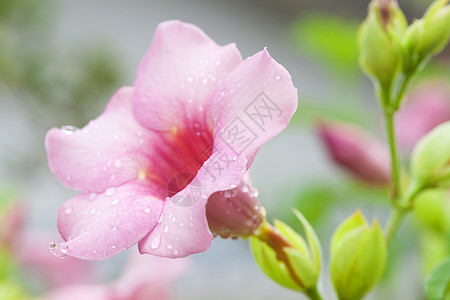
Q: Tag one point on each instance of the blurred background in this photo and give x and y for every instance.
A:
(60, 61)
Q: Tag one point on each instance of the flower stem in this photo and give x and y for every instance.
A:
(313, 294)
(395, 162)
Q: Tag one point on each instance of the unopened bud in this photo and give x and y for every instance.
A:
(358, 257)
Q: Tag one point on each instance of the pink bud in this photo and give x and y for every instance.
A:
(11, 221)
(235, 213)
(427, 107)
(364, 156)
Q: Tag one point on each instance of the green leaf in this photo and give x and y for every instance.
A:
(438, 282)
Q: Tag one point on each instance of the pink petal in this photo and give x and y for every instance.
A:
(148, 277)
(179, 74)
(40, 261)
(97, 227)
(77, 292)
(253, 104)
(184, 228)
(107, 152)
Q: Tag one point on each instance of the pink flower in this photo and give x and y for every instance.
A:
(363, 155)
(189, 128)
(427, 107)
(144, 278)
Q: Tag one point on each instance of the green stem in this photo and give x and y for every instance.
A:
(395, 162)
(313, 294)
(400, 209)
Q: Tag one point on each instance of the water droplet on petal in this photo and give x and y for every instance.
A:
(227, 194)
(161, 217)
(110, 191)
(166, 228)
(189, 79)
(155, 242)
(115, 201)
(277, 77)
(113, 246)
(92, 196)
(68, 130)
(117, 163)
(175, 252)
(68, 210)
(245, 189)
(169, 246)
(147, 211)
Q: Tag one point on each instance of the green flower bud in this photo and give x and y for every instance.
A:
(432, 210)
(286, 257)
(358, 257)
(431, 158)
(428, 36)
(379, 42)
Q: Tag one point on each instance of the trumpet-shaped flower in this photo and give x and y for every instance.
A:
(190, 127)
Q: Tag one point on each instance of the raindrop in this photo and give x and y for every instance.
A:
(166, 228)
(117, 163)
(189, 79)
(114, 229)
(245, 189)
(110, 191)
(68, 210)
(181, 224)
(277, 77)
(147, 210)
(161, 218)
(115, 201)
(227, 194)
(217, 62)
(169, 246)
(93, 211)
(221, 91)
(92, 196)
(94, 251)
(155, 242)
(113, 246)
(69, 130)
(175, 252)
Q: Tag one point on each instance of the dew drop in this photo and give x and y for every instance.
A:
(169, 246)
(113, 246)
(277, 77)
(117, 163)
(147, 211)
(92, 196)
(68, 210)
(175, 252)
(115, 201)
(166, 228)
(161, 217)
(110, 191)
(227, 194)
(245, 189)
(189, 79)
(155, 242)
(68, 130)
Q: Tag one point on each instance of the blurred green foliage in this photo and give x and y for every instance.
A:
(330, 40)
(438, 283)
(67, 82)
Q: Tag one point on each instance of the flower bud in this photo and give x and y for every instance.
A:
(428, 36)
(11, 218)
(432, 209)
(366, 158)
(286, 257)
(380, 49)
(358, 257)
(235, 213)
(431, 158)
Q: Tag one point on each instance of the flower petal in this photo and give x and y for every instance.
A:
(179, 74)
(96, 227)
(80, 291)
(107, 152)
(253, 104)
(184, 228)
